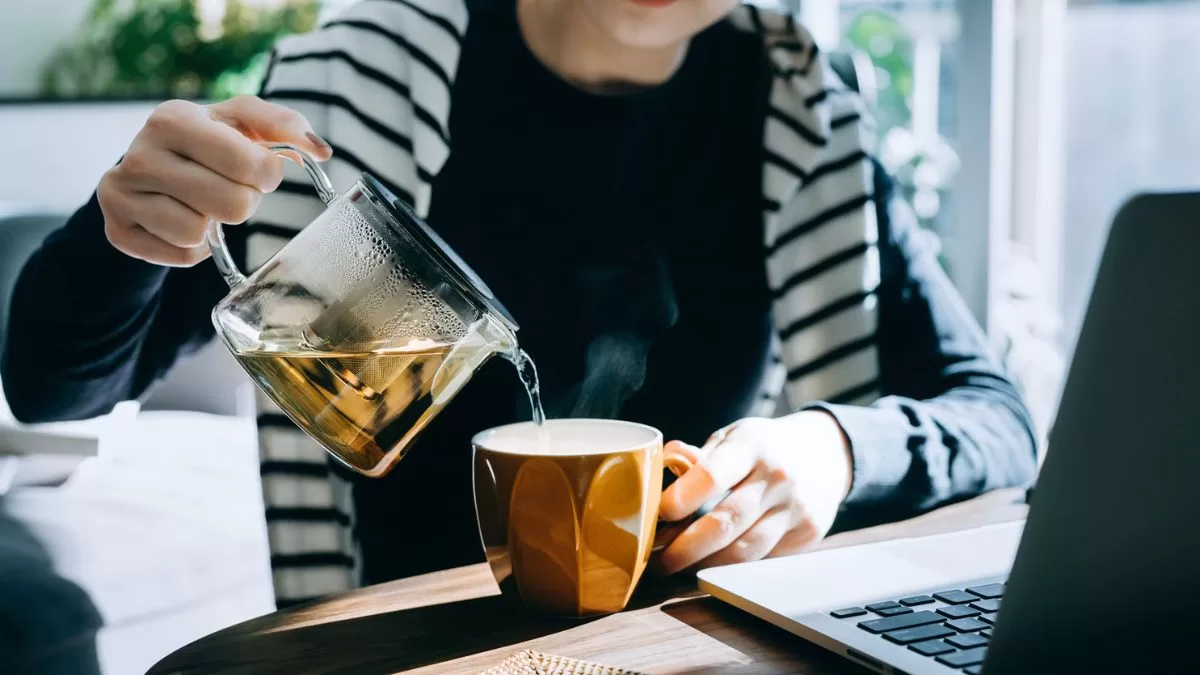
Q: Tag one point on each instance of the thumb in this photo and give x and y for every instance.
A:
(265, 122)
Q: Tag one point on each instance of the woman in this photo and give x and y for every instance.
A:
(674, 198)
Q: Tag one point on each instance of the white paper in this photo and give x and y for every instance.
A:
(79, 439)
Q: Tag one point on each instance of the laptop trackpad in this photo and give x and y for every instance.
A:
(970, 554)
(821, 580)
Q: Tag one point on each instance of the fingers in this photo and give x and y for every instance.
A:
(190, 164)
(169, 220)
(722, 526)
(756, 543)
(805, 534)
(726, 465)
(187, 130)
(782, 502)
(679, 457)
(263, 121)
(203, 190)
(131, 219)
(135, 241)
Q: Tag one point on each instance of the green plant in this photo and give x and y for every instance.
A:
(890, 46)
(165, 48)
(924, 166)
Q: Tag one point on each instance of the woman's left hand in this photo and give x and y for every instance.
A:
(786, 479)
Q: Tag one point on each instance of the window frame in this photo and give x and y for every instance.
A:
(1037, 230)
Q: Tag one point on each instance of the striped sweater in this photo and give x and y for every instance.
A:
(376, 81)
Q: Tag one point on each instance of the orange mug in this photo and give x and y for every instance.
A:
(567, 512)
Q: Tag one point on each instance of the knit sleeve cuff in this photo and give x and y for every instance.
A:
(879, 447)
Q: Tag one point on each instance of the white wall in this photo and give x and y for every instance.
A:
(29, 34)
(54, 153)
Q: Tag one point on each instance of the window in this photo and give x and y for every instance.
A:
(969, 130)
(1103, 99)
(1131, 93)
(908, 48)
(910, 57)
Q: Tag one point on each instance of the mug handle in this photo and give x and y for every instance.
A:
(676, 464)
(215, 236)
(667, 531)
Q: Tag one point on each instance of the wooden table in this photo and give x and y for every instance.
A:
(455, 622)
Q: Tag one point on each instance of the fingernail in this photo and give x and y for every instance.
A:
(318, 141)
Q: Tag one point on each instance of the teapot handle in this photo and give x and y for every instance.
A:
(216, 235)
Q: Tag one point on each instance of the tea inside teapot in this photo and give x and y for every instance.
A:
(366, 403)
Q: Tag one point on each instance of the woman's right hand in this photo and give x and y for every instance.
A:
(192, 163)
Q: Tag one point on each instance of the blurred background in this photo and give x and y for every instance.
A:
(1017, 128)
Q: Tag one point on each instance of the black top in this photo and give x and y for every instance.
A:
(602, 224)
(630, 254)
(623, 233)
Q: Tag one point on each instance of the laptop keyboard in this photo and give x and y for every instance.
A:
(952, 626)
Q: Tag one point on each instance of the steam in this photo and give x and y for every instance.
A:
(616, 369)
(631, 307)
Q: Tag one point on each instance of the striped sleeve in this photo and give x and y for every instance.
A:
(950, 424)
(375, 83)
(308, 511)
(820, 228)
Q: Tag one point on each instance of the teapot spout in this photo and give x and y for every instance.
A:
(485, 338)
(497, 335)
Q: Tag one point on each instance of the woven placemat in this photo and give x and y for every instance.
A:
(530, 662)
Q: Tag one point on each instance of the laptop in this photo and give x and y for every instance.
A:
(1104, 574)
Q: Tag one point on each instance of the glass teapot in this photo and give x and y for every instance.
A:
(363, 326)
